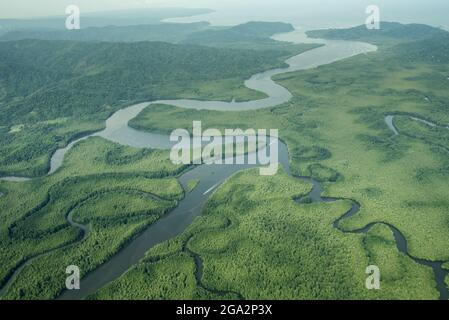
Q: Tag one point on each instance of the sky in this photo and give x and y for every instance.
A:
(328, 12)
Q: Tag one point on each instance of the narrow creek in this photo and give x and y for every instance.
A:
(401, 242)
(389, 120)
(212, 176)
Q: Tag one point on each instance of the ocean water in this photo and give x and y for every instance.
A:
(321, 14)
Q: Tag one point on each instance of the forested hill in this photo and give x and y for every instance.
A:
(167, 32)
(433, 50)
(100, 19)
(53, 91)
(390, 33)
(406, 42)
(252, 34)
(58, 78)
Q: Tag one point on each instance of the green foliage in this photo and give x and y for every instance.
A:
(174, 279)
(396, 268)
(271, 249)
(408, 42)
(166, 32)
(117, 201)
(51, 90)
(97, 156)
(253, 240)
(313, 153)
(391, 149)
(141, 16)
(322, 173)
(192, 184)
(84, 72)
(395, 178)
(389, 33)
(434, 50)
(337, 119)
(251, 35)
(26, 151)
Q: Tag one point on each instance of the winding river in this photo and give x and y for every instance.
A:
(389, 120)
(212, 176)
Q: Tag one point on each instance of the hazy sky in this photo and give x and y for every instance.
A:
(434, 12)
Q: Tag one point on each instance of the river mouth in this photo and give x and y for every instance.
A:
(210, 176)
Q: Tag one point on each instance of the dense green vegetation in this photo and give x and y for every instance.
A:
(99, 19)
(166, 32)
(411, 176)
(438, 136)
(103, 189)
(54, 91)
(446, 266)
(335, 130)
(192, 184)
(390, 33)
(47, 67)
(251, 35)
(256, 242)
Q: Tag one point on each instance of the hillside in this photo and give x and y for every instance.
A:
(53, 91)
(390, 33)
(100, 19)
(252, 34)
(407, 43)
(167, 32)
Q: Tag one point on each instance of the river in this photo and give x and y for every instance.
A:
(210, 176)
